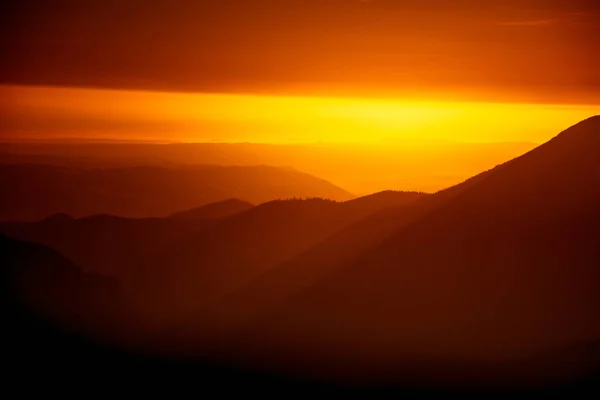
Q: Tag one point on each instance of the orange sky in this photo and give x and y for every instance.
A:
(387, 77)
(524, 51)
(68, 113)
(364, 145)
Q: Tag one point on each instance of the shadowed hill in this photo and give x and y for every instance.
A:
(110, 245)
(503, 268)
(50, 309)
(308, 267)
(360, 169)
(42, 289)
(381, 200)
(218, 260)
(103, 243)
(221, 209)
(58, 321)
(342, 247)
(33, 192)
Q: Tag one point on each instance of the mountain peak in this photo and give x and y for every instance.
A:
(595, 119)
(589, 126)
(575, 146)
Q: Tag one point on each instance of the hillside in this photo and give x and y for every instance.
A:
(214, 262)
(217, 210)
(44, 295)
(503, 270)
(103, 243)
(33, 192)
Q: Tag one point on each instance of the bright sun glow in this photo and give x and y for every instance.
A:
(177, 117)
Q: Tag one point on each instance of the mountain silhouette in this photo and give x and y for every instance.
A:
(103, 243)
(110, 245)
(345, 245)
(382, 200)
(496, 270)
(356, 168)
(45, 297)
(308, 267)
(494, 281)
(217, 210)
(216, 261)
(33, 192)
(58, 322)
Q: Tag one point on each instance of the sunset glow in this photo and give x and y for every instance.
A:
(91, 114)
(279, 195)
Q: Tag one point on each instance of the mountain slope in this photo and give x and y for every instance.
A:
(505, 269)
(219, 260)
(344, 246)
(33, 192)
(40, 288)
(391, 209)
(103, 243)
(225, 208)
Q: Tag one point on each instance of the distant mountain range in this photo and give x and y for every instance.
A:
(229, 254)
(46, 299)
(359, 168)
(494, 282)
(108, 244)
(33, 192)
(215, 235)
(103, 243)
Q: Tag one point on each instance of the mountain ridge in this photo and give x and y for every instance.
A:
(140, 192)
(531, 222)
(217, 210)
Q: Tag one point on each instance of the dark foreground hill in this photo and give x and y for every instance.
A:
(500, 270)
(63, 329)
(57, 329)
(46, 298)
(109, 244)
(33, 192)
(103, 243)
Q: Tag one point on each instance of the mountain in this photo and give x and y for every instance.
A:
(217, 210)
(382, 200)
(110, 245)
(359, 168)
(197, 270)
(33, 192)
(103, 243)
(315, 263)
(44, 295)
(58, 322)
(485, 275)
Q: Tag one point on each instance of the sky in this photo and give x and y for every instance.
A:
(52, 113)
(495, 50)
(289, 71)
